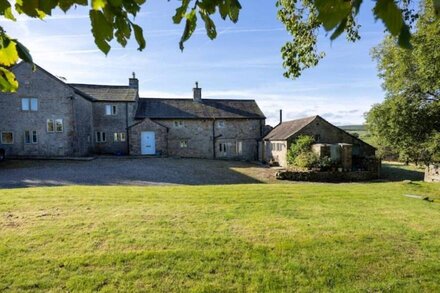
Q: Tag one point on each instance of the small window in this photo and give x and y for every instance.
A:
(100, 136)
(7, 137)
(317, 138)
(119, 136)
(50, 125)
(178, 123)
(110, 110)
(34, 104)
(183, 144)
(30, 137)
(59, 127)
(29, 104)
(221, 124)
(25, 104)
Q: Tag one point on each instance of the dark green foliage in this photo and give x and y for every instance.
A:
(409, 118)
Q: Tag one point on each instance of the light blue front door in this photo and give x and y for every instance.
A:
(148, 143)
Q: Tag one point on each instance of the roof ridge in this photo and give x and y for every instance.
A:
(100, 85)
(190, 99)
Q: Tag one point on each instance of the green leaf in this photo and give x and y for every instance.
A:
(234, 10)
(6, 10)
(23, 52)
(102, 30)
(209, 25)
(98, 4)
(8, 83)
(180, 12)
(224, 8)
(332, 12)
(339, 30)
(390, 14)
(139, 35)
(8, 51)
(190, 27)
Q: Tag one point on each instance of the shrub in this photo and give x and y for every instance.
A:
(300, 153)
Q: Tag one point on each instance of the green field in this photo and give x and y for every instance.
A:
(286, 237)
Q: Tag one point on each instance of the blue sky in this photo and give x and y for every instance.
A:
(243, 62)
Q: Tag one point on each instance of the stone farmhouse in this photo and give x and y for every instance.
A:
(48, 117)
(330, 140)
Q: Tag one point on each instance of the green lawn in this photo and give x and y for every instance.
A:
(296, 237)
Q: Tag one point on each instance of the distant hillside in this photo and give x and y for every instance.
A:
(354, 127)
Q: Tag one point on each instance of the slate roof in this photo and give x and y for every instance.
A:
(190, 109)
(286, 129)
(111, 93)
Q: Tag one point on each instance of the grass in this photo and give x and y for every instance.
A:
(299, 237)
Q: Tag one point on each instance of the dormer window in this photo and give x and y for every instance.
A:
(178, 123)
(110, 110)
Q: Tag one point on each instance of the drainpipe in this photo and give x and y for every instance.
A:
(127, 141)
(213, 139)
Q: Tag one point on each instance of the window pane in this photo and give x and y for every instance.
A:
(34, 136)
(59, 125)
(115, 136)
(108, 109)
(27, 136)
(122, 136)
(50, 125)
(114, 110)
(103, 136)
(7, 138)
(98, 136)
(25, 104)
(34, 104)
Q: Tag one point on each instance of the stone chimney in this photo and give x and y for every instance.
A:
(133, 82)
(197, 93)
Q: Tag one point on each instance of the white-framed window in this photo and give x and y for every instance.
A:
(29, 104)
(276, 146)
(119, 137)
(50, 125)
(239, 148)
(7, 137)
(100, 136)
(30, 137)
(110, 109)
(59, 126)
(221, 124)
(178, 123)
(183, 144)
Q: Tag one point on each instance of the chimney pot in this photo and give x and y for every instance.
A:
(133, 82)
(197, 93)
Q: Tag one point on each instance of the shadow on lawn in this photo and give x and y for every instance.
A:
(399, 172)
(126, 171)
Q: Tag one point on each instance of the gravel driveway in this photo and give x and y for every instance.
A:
(128, 171)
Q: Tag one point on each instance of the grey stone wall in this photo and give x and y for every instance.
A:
(199, 135)
(55, 101)
(111, 124)
(83, 115)
(147, 125)
(432, 173)
(273, 155)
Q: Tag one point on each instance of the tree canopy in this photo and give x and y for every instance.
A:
(408, 121)
(303, 19)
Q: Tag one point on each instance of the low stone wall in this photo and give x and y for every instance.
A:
(432, 173)
(314, 176)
